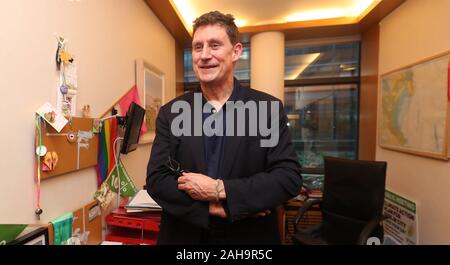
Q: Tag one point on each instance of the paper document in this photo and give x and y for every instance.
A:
(111, 243)
(142, 201)
(54, 118)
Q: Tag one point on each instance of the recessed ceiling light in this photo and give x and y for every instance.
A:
(185, 12)
(360, 8)
(315, 14)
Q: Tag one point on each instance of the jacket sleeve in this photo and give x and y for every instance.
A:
(162, 185)
(280, 181)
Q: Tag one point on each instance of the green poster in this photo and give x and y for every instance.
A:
(127, 187)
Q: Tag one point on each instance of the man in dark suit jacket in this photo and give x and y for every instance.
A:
(231, 182)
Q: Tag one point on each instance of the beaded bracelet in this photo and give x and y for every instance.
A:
(217, 189)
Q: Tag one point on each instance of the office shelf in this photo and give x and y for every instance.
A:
(131, 236)
(134, 228)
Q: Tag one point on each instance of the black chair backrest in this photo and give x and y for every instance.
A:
(353, 194)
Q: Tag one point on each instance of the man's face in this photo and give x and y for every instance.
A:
(213, 55)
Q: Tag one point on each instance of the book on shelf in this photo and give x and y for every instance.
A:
(149, 215)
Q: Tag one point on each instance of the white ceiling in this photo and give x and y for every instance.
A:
(264, 12)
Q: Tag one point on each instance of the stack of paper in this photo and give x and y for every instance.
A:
(142, 202)
(111, 243)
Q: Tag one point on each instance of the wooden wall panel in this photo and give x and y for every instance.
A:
(368, 93)
(170, 19)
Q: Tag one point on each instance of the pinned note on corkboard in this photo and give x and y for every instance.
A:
(73, 148)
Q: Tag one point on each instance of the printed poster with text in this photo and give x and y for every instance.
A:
(401, 226)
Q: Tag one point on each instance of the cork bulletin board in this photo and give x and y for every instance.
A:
(74, 148)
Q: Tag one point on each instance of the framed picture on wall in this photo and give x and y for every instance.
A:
(415, 113)
(150, 82)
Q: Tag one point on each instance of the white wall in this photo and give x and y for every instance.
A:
(416, 30)
(105, 36)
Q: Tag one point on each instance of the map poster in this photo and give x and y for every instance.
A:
(414, 108)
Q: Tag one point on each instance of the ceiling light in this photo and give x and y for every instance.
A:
(184, 9)
(316, 14)
(360, 6)
(347, 67)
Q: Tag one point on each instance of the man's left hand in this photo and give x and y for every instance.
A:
(200, 187)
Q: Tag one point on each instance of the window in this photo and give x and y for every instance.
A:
(321, 101)
(323, 122)
(322, 61)
(321, 97)
(189, 75)
(241, 70)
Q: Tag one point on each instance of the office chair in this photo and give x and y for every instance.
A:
(352, 204)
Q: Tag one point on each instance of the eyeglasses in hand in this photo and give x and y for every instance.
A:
(175, 167)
